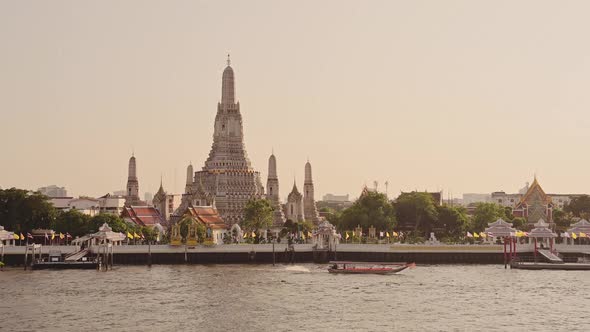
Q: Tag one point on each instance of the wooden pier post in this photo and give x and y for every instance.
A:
(504, 252)
(149, 253)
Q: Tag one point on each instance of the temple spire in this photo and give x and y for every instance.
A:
(228, 85)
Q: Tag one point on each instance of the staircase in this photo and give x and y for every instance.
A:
(76, 255)
(551, 257)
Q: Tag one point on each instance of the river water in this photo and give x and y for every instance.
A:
(294, 298)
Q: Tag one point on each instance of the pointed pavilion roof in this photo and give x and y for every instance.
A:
(541, 230)
(500, 228)
(581, 226)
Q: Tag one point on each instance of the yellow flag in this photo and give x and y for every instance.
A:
(245, 235)
(22, 237)
(135, 235)
(309, 234)
(253, 234)
(61, 236)
(52, 236)
(574, 236)
(395, 234)
(483, 235)
(387, 234)
(475, 234)
(347, 236)
(15, 236)
(303, 235)
(582, 234)
(129, 235)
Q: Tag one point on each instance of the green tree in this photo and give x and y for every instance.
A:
(486, 213)
(22, 210)
(73, 222)
(562, 219)
(371, 209)
(258, 215)
(417, 209)
(453, 219)
(579, 207)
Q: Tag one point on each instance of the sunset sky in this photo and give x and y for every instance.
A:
(460, 96)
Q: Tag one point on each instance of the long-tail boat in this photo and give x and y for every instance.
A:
(347, 267)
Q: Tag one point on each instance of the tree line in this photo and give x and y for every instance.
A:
(22, 211)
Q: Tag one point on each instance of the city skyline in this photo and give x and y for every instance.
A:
(421, 102)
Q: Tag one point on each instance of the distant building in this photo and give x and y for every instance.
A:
(132, 192)
(53, 191)
(335, 198)
(475, 198)
(148, 197)
(85, 205)
(534, 205)
(111, 204)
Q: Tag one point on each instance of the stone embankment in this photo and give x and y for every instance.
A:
(303, 253)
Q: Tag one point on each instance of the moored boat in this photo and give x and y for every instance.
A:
(347, 267)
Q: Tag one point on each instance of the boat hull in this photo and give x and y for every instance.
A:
(382, 271)
(64, 265)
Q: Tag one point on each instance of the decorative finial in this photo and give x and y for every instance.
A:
(228, 60)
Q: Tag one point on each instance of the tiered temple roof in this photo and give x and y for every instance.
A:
(541, 230)
(143, 216)
(581, 226)
(500, 228)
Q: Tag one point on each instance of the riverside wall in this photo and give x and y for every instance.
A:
(304, 253)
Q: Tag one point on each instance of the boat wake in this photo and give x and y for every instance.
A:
(298, 269)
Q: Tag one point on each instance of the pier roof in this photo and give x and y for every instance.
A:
(500, 228)
(541, 230)
(581, 226)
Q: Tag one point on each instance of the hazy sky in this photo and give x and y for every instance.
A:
(460, 96)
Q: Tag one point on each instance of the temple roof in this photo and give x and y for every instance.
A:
(534, 187)
(207, 215)
(143, 215)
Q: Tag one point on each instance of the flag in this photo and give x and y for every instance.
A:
(141, 235)
(469, 234)
(565, 234)
(347, 236)
(22, 237)
(380, 234)
(309, 234)
(253, 234)
(574, 236)
(475, 235)
(129, 235)
(395, 234)
(245, 235)
(483, 235)
(61, 236)
(387, 234)
(490, 234)
(158, 237)
(582, 234)
(46, 236)
(15, 236)
(29, 236)
(68, 235)
(135, 235)
(52, 236)
(303, 236)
